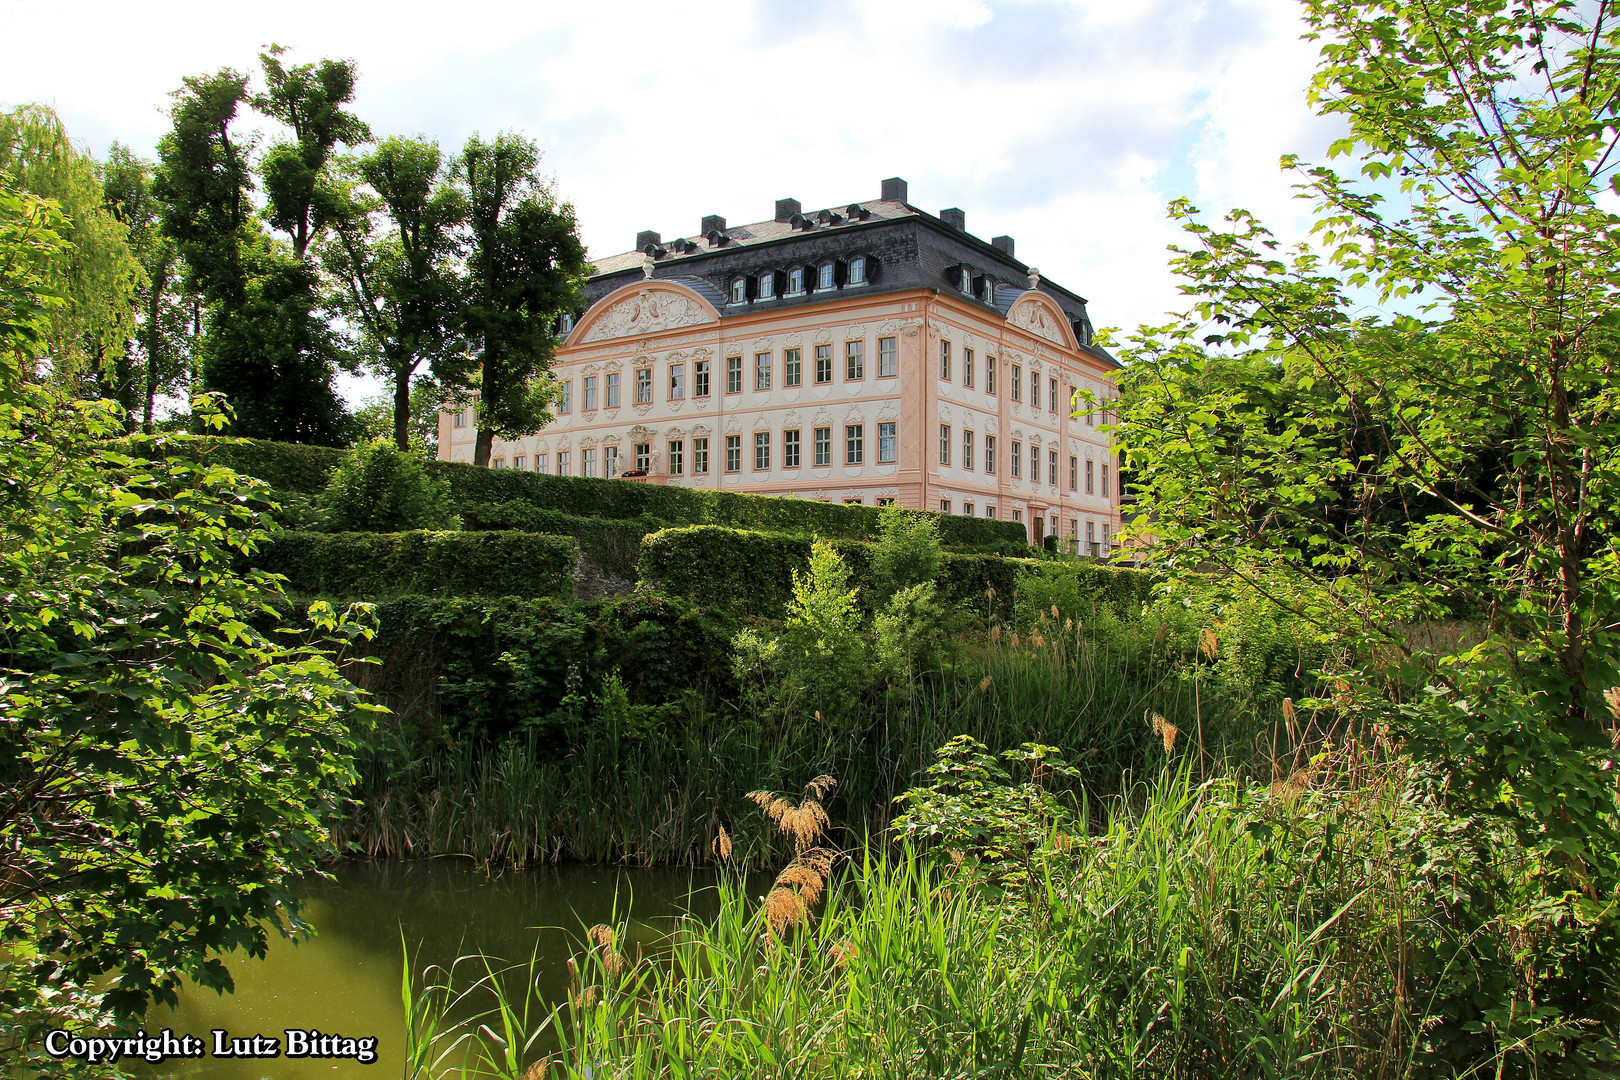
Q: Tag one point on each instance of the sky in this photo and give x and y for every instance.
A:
(1067, 124)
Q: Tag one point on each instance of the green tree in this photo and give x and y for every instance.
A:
(384, 489)
(396, 250)
(100, 274)
(525, 266)
(267, 346)
(1372, 473)
(166, 768)
(156, 359)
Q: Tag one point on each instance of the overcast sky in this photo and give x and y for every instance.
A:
(1068, 125)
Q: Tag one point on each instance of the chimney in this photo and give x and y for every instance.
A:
(954, 218)
(894, 190)
(645, 237)
(713, 223)
(786, 208)
(1003, 244)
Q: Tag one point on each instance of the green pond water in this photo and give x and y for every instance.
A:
(346, 979)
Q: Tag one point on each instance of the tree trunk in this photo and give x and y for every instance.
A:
(402, 410)
(486, 440)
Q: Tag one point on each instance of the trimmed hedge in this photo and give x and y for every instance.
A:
(377, 566)
(284, 466)
(751, 572)
(622, 499)
(613, 545)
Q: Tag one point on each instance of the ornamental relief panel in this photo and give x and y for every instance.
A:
(823, 417)
(650, 310)
(1035, 317)
(700, 430)
(674, 433)
(640, 432)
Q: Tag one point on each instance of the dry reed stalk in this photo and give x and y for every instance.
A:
(1164, 729)
(984, 684)
(1207, 643)
(721, 846)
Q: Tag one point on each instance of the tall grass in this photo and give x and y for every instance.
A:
(1203, 930)
(621, 794)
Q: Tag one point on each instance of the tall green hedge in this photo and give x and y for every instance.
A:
(377, 566)
(691, 506)
(613, 545)
(305, 469)
(751, 572)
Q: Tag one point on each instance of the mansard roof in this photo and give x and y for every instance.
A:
(906, 248)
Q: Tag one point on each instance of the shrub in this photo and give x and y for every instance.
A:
(379, 565)
(1076, 587)
(382, 489)
(612, 545)
(907, 551)
(286, 467)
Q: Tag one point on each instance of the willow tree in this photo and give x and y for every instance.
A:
(525, 266)
(1458, 456)
(99, 273)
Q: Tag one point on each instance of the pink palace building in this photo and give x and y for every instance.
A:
(866, 354)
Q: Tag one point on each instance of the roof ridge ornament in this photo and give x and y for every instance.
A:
(1034, 278)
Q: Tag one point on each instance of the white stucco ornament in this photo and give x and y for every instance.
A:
(649, 310)
(1032, 315)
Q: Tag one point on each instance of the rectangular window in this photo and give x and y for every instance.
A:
(967, 509)
(677, 457)
(1018, 516)
(762, 371)
(967, 367)
(945, 360)
(643, 386)
(588, 463)
(565, 463)
(885, 500)
(793, 368)
(542, 463)
(823, 442)
(990, 455)
(1051, 467)
(643, 456)
(1035, 389)
(498, 463)
(700, 378)
(1034, 464)
(520, 463)
(854, 360)
(790, 449)
(990, 512)
(1091, 531)
(460, 419)
(1016, 459)
(990, 380)
(944, 506)
(590, 393)
(944, 444)
(700, 455)
(762, 451)
(613, 390)
(854, 500)
(967, 448)
(1091, 419)
(888, 444)
(733, 374)
(733, 453)
(610, 461)
(1105, 538)
(677, 382)
(1051, 395)
(823, 363)
(1089, 466)
(888, 356)
(1105, 490)
(854, 444)
(1018, 382)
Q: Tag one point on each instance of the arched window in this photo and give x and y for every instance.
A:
(739, 290)
(767, 286)
(795, 280)
(857, 270)
(824, 276)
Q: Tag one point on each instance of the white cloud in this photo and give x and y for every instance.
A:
(1068, 124)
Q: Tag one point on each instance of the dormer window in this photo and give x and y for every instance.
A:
(795, 280)
(824, 276)
(988, 289)
(857, 270)
(965, 280)
(565, 325)
(739, 290)
(767, 286)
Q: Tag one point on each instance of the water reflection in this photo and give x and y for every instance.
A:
(346, 980)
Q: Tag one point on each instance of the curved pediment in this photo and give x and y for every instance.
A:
(644, 307)
(1036, 313)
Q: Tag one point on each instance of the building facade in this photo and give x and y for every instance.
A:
(871, 353)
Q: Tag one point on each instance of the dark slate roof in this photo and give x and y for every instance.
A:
(907, 248)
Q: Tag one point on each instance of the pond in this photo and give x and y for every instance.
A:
(346, 979)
